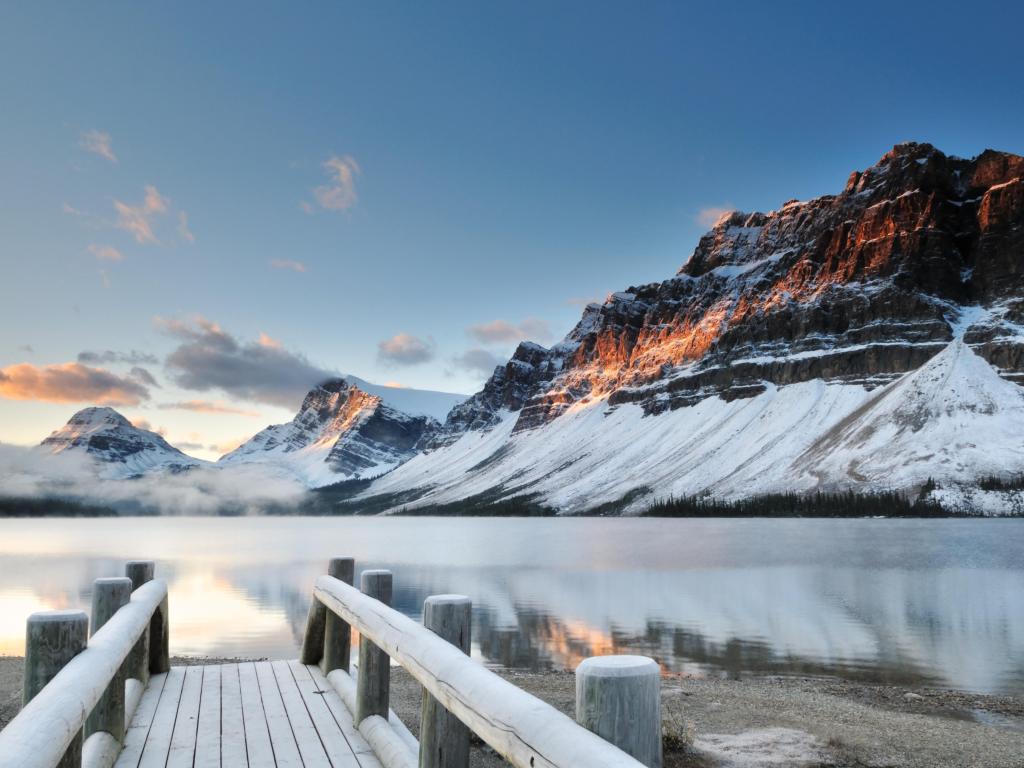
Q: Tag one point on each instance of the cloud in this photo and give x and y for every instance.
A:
(70, 383)
(99, 143)
(267, 341)
(502, 332)
(708, 217)
(71, 210)
(27, 348)
(207, 406)
(227, 446)
(405, 349)
(106, 252)
(478, 360)
(143, 376)
(183, 231)
(340, 193)
(25, 472)
(138, 219)
(209, 358)
(307, 207)
(583, 301)
(108, 357)
(144, 424)
(294, 266)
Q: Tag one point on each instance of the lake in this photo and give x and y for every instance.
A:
(915, 602)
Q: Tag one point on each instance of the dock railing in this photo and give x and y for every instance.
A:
(80, 692)
(461, 695)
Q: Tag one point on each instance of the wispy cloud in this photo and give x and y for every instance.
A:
(207, 406)
(70, 210)
(70, 383)
(106, 252)
(583, 301)
(209, 358)
(503, 332)
(294, 266)
(268, 341)
(405, 349)
(99, 143)
(477, 360)
(138, 219)
(183, 231)
(109, 356)
(711, 215)
(340, 193)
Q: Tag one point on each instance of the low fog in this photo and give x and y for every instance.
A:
(29, 473)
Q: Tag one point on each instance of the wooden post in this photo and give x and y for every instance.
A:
(107, 596)
(444, 739)
(137, 664)
(337, 632)
(374, 682)
(619, 699)
(52, 639)
(160, 640)
(315, 638)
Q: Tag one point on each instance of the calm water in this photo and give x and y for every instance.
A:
(924, 602)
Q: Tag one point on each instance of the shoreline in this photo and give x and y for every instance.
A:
(760, 720)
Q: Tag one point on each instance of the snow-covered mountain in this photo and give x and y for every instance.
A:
(118, 448)
(343, 432)
(871, 339)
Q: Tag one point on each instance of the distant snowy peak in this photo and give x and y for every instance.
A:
(415, 402)
(120, 449)
(341, 432)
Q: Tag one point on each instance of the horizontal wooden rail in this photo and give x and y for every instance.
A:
(523, 729)
(42, 731)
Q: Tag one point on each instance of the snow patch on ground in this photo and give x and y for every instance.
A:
(762, 747)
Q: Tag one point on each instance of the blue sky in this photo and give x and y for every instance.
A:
(449, 177)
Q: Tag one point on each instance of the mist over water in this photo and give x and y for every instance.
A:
(935, 602)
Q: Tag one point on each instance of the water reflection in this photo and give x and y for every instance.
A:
(938, 602)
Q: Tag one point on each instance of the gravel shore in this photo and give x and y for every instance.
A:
(766, 721)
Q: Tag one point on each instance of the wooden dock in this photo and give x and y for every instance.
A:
(105, 695)
(258, 714)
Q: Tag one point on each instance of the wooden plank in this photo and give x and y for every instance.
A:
(257, 737)
(183, 741)
(208, 732)
(343, 717)
(312, 749)
(158, 743)
(138, 729)
(335, 744)
(286, 751)
(232, 728)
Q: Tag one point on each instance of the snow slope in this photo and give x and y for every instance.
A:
(952, 419)
(415, 402)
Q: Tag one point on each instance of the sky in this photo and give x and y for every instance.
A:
(206, 207)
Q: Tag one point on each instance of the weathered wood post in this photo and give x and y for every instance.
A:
(619, 699)
(444, 739)
(337, 632)
(137, 663)
(52, 639)
(108, 595)
(374, 682)
(315, 640)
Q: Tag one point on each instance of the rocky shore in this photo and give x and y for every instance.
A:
(767, 721)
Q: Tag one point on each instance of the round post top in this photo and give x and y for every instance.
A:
(448, 600)
(63, 615)
(618, 666)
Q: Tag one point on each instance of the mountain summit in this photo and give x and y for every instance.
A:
(120, 449)
(750, 369)
(340, 433)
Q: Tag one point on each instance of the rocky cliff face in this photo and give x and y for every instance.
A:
(858, 287)
(119, 448)
(779, 329)
(339, 433)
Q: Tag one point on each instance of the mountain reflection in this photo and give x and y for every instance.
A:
(726, 608)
